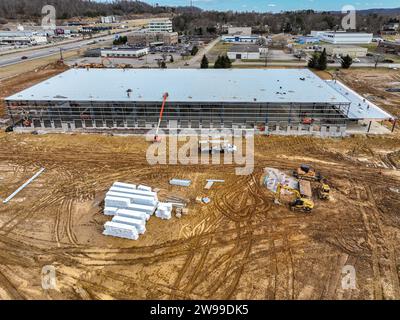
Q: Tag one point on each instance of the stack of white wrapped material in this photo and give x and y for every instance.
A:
(164, 211)
(140, 225)
(131, 207)
(120, 230)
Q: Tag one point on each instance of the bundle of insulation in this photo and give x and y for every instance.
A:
(120, 230)
(164, 211)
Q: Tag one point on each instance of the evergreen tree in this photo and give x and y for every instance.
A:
(347, 61)
(204, 62)
(313, 62)
(218, 63)
(194, 51)
(323, 61)
(225, 62)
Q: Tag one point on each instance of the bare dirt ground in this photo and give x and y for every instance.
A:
(373, 84)
(20, 78)
(240, 246)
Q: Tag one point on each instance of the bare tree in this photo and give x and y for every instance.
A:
(267, 56)
(378, 58)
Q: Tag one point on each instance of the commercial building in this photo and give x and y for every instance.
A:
(240, 39)
(246, 52)
(273, 100)
(391, 28)
(243, 31)
(23, 37)
(344, 50)
(160, 26)
(135, 52)
(108, 19)
(147, 38)
(308, 40)
(342, 37)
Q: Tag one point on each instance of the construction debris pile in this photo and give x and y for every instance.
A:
(131, 207)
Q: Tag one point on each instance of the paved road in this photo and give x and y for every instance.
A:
(49, 51)
(195, 61)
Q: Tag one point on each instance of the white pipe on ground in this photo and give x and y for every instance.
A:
(24, 185)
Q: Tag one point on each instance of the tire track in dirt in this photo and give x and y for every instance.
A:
(11, 290)
(378, 293)
(386, 247)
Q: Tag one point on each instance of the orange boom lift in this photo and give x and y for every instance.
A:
(165, 97)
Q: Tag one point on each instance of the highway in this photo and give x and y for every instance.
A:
(15, 58)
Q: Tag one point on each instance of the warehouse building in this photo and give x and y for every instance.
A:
(289, 101)
(240, 39)
(344, 50)
(23, 37)
(343, 37)
(247, 52)
(134, 52)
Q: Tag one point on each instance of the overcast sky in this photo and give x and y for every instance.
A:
(278, 5)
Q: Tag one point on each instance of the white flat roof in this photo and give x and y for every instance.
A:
(185, 85)
(360, 107)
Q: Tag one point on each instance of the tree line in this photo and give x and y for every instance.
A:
(192, 20)
(65, 9)
(295, 22)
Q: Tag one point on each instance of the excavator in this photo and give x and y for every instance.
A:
(301, 203)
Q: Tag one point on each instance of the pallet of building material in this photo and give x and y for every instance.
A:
(180, 183)
(177, 199)
(124, 203)
(138, 224)
(120, 230)
(134, 191)
(274, 177)
(124, 185)
(132, 214)
(164, 211)
(177, 204)
(144, 188)
(110, 211)
(134, 198)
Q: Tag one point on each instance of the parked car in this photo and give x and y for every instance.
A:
(24, 57)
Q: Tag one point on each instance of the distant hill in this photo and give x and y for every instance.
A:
(382, 11)
(31, 9)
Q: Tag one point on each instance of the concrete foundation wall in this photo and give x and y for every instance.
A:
(269, 129)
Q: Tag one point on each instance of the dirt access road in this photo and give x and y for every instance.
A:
(240, 246)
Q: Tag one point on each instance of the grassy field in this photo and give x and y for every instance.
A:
(220, 48)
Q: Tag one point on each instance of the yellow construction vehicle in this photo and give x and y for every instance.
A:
(324, 191)
(307, 172)
(301, 203)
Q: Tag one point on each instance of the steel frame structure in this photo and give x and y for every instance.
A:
(87, 114)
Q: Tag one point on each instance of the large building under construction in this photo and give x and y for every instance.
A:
(295, 101)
